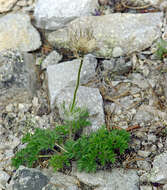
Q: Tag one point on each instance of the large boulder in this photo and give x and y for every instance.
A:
(116, 34)
(51, 14)
(16, 32)
(65, 74)
(18, 79)
(28, 179)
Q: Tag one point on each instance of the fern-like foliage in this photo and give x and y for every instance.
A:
(41, 140)
(99, 149)
(90, 152)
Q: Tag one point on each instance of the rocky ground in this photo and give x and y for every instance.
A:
(123, 84)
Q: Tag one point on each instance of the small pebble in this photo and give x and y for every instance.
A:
(143, 153)
(117, 52)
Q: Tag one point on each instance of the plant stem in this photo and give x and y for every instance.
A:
(77, 85)
(44, 156)
(61, 147)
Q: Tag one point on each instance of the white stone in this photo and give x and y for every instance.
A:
(53, 58)
(152, 138)
(16, 32)
(35, 102)
(22, 3)
(165, 187)
(130, 32)
(117, 52)
(6, 5)
(143, 153)
(158, 173)
(117, 179)
(4, 177)
(50, 15)
(65, 74)
(9, 108)
(145, 187)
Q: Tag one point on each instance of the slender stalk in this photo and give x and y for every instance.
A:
(77, 85)
(44, 156)
(61, 147)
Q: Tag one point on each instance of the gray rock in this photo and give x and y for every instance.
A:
(53, 58)
(143, 153)
(4, 177)
(139, 80)
(117, 52)
(16, 32)
(145, 187)
(143, 115)
(50, 15)
(122, 67)
(158, 173)
(28, 179)
(130, 32)
(64, 182)
(109, 64)
(89, 98)
(152, 138)
(165, 187)
(117, 67)
(117, 179)
(65, 74)
(143, 165)
(6, 5)
(18, 81)
(160, 4)
(127, 101)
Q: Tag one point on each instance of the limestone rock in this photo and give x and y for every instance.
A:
(28, 179)
(118, 179)
(18, 80)
(159, 171)
(50, 15)
(16, 32)
(6, 5)
(129, 32)
(60, 181)
(65, 74)
(4, 177)
(53, 58)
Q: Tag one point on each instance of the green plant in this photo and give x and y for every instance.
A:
(161, 48)
(90, 152)
(98, 149)
(39, 141)
(45, 142)
(65, 143)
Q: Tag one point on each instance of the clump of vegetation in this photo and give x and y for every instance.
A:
(161, 49)
(65, 143)
(90, 152)
(44, 142)
(98, 149)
